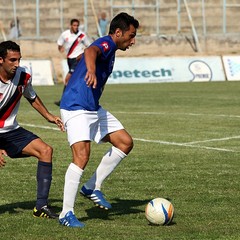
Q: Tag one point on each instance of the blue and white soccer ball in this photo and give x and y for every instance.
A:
(159, 211)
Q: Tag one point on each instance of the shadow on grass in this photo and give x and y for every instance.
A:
(119, 207)
(18, 207)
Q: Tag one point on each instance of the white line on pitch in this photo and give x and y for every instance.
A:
(145, 140)
(214, 140)
(37, 126)
(177, 113)
(184, 145)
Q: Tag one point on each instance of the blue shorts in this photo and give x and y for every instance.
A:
(15, 141)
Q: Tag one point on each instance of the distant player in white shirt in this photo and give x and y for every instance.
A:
(73, 41)
(15, 141)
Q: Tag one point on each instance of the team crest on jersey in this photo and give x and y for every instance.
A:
(105, 46)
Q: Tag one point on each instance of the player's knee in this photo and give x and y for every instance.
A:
(46, 153)
(127, 145)
(130, 144)
(81, 161)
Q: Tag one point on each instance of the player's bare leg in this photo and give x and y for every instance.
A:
(80, 152)
(43, 152)
(122, 145)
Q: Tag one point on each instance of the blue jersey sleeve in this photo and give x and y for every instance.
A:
(106, 45)
(77, 94)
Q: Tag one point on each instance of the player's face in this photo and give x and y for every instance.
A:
(10, 63)
(127, 39)
(74, 27)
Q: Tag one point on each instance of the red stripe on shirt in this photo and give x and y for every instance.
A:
(17, 95)
(10, 109)
(75, 43)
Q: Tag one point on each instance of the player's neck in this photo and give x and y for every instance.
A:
(74, 32)
(4, 77)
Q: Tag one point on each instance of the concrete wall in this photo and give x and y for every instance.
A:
(167, 17)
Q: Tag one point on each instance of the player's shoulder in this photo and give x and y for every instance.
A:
(81, 33)
(24, 68)
(106, 38)
(66, 33)
(105, 43)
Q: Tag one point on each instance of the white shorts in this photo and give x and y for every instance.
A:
(84, 125)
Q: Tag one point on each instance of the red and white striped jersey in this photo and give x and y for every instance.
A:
(10, 95)
(74, 44)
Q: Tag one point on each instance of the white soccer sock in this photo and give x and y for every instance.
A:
(72, 180)
(108, 163)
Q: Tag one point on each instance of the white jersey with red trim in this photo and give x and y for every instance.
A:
(10, 95)
(74, 44)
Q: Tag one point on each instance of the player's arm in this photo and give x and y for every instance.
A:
(86, 41)
(60, 49)
(91, 53)
(2, 161)
(39, 106)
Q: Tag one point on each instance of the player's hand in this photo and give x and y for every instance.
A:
(58, 121)
(91, 79)
(2, 161)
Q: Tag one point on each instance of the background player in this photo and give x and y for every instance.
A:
(73, 41)
(85, 120)
(16, 141)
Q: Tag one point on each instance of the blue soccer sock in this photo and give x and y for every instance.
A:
(44, 179)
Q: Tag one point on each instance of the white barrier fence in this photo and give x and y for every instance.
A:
(42, 72)
(232, 67)
(167, 69)
(173, 69)
(153, 70)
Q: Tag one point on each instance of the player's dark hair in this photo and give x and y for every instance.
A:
(74, 20)
(122, 21)
(8, 45)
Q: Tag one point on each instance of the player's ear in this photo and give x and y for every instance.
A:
(118, 32)
(1, 60)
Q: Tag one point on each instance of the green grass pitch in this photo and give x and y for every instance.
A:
(186, 138)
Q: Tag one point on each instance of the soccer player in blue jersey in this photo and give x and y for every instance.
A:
(85, 120)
